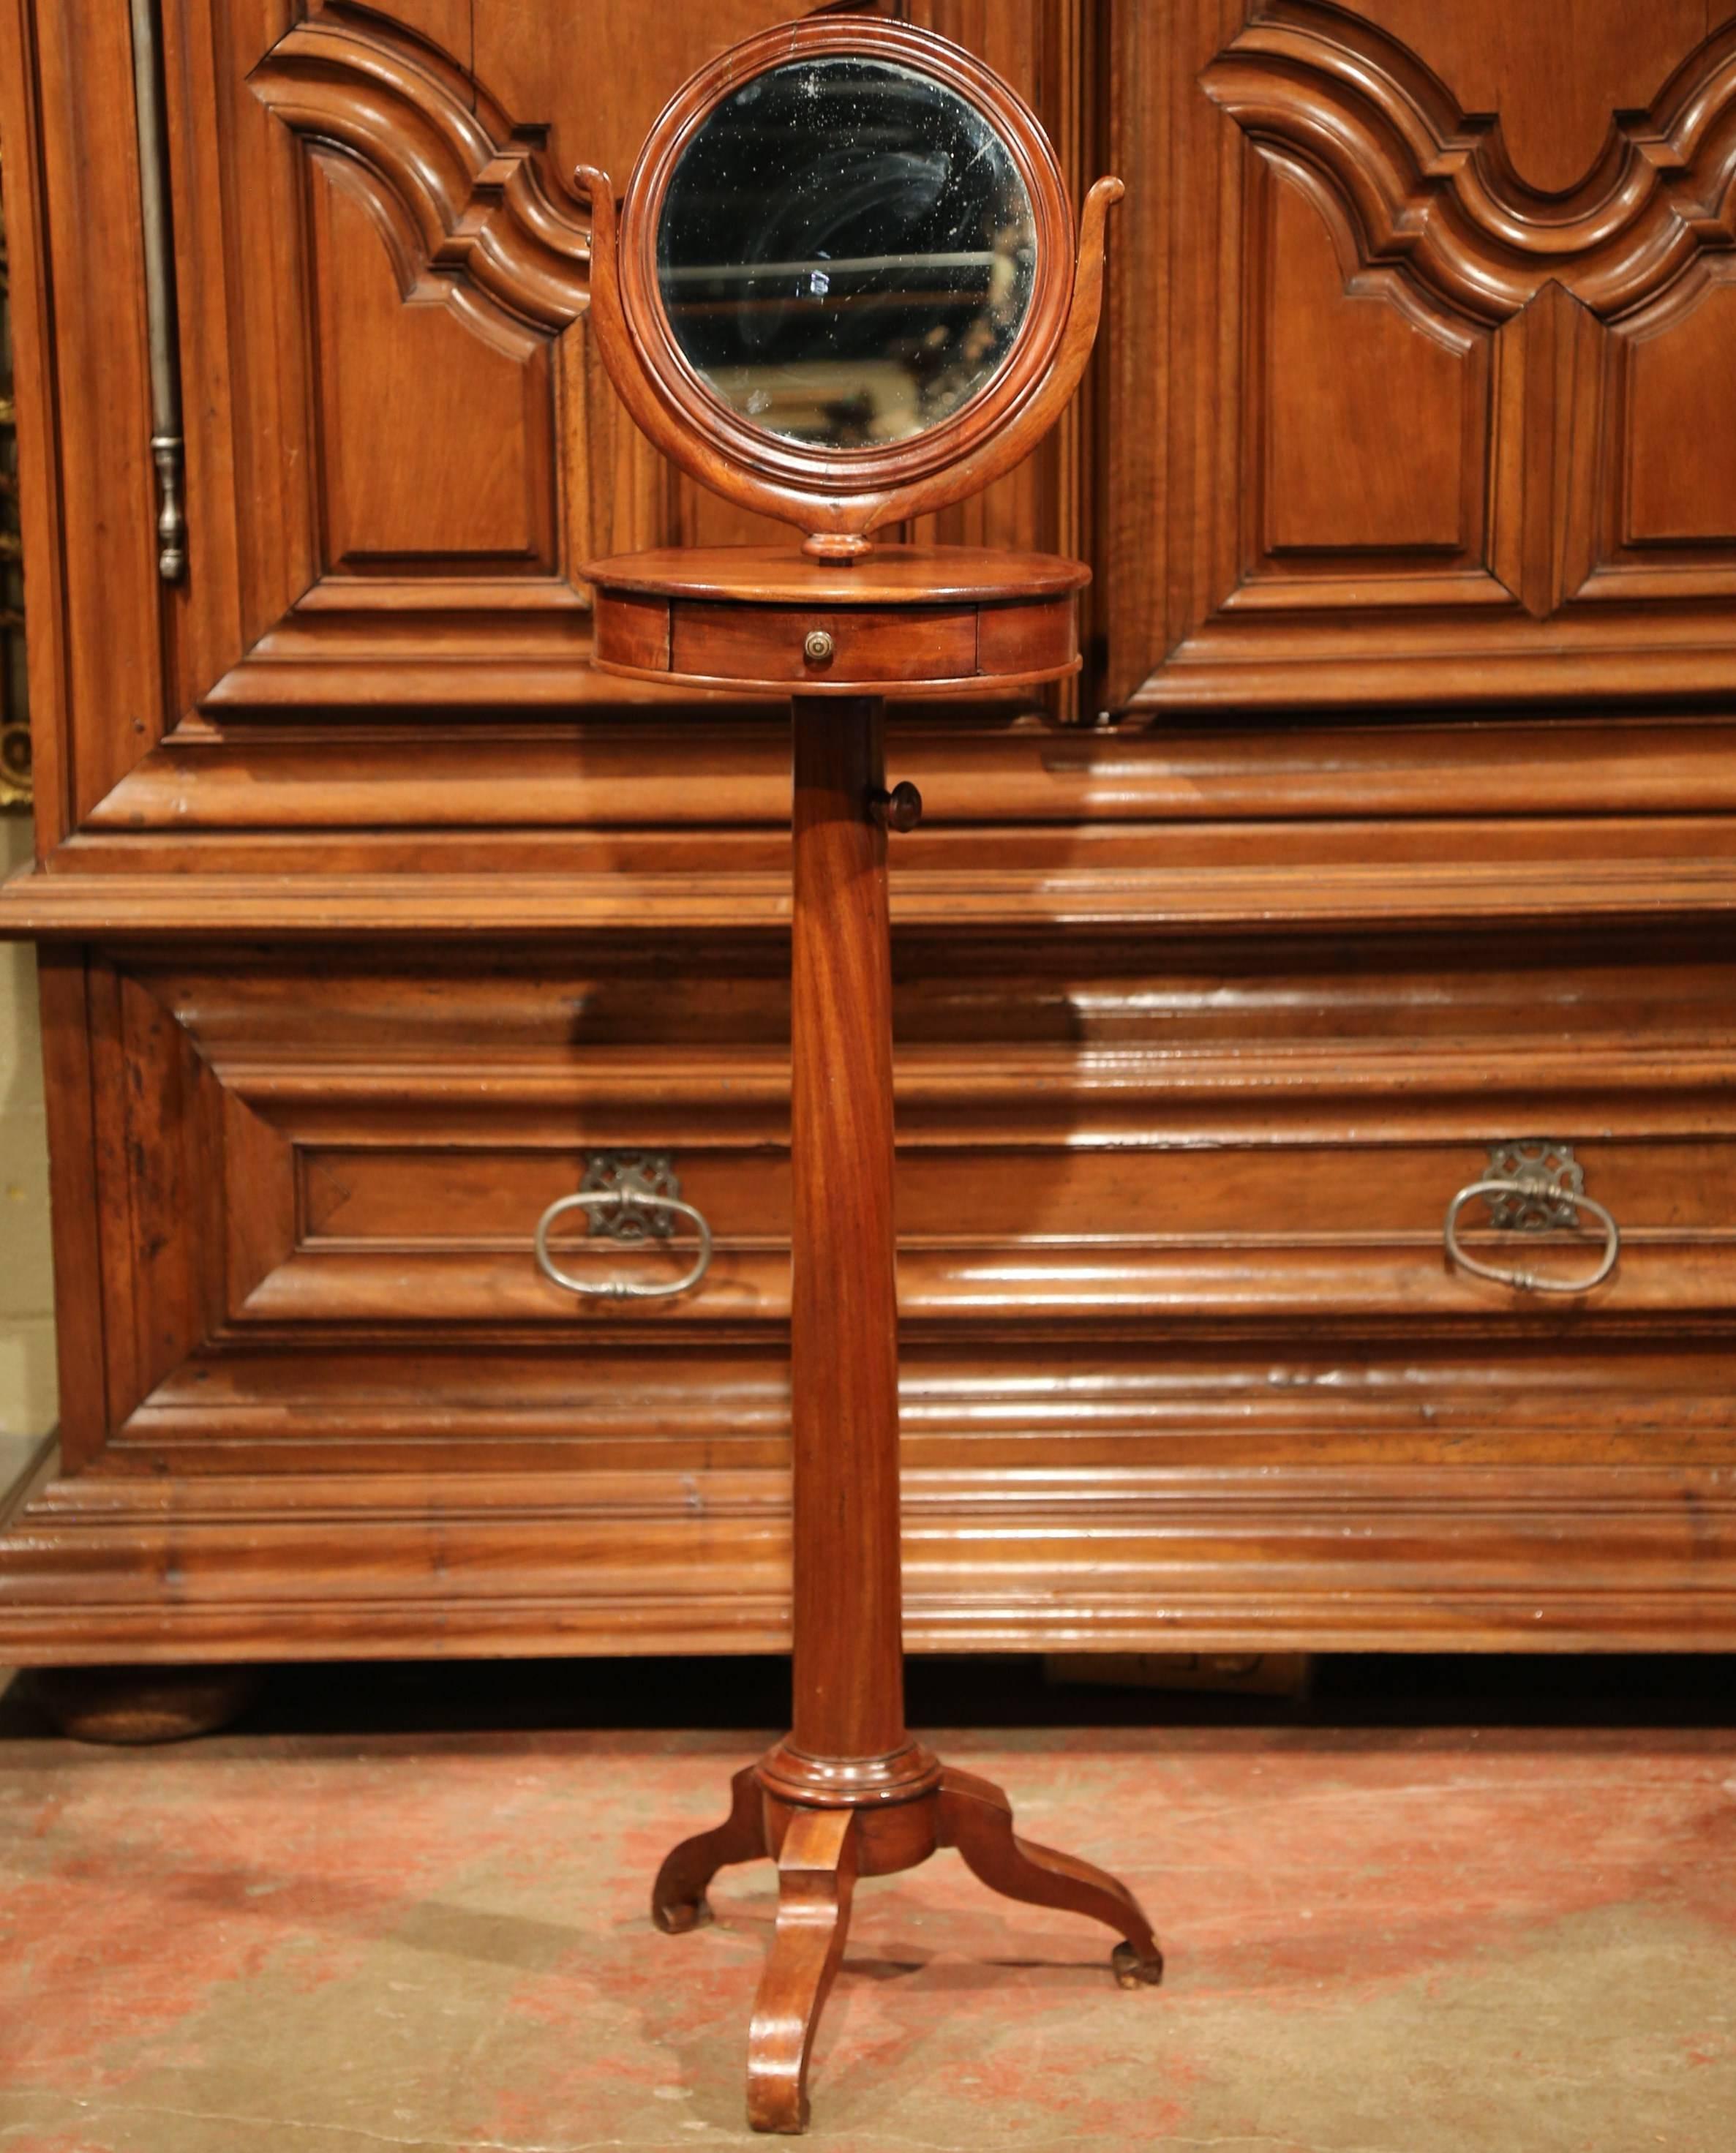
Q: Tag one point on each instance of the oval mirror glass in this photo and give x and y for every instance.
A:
(846, 252)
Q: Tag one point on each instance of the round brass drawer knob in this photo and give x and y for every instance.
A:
(818, 648)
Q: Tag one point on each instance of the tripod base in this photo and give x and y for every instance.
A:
(890, 1818)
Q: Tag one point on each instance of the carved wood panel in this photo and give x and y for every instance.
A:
(410, 482)
(1554, 75)
(394, 462)
(1420, 353)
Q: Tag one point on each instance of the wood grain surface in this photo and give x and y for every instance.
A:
(849, 1669)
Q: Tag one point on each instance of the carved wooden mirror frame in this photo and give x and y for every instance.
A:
(837, 497)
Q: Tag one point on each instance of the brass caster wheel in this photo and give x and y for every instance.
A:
(683, 1916)
(1134, 1971)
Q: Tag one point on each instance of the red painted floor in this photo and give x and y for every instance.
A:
(1380, 1941)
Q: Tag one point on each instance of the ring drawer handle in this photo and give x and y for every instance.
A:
(630, 1196)
(1527, 1282)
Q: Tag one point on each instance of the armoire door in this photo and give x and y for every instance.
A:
(399, 444)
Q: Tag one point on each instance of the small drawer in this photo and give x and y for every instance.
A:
(796, 643)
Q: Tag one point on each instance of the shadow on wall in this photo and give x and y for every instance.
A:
(26, 1294)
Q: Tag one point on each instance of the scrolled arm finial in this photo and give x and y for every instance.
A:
(609, 321)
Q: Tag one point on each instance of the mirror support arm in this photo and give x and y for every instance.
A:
(637, 386)
(1027, 426)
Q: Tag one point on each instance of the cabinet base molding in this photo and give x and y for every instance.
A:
(101, 1567)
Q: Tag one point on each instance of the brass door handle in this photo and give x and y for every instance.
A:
(1532, 1185)
(632, 1197)
(621, 1289)
(167, 449)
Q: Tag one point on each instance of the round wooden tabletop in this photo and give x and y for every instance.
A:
(889, 576)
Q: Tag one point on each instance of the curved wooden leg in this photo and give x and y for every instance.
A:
(678, 1897)
(977, 1818)
(816, 1876)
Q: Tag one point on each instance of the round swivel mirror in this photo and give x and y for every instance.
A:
(845, 288)
(846, 251)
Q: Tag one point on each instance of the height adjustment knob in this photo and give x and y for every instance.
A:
(900, 809)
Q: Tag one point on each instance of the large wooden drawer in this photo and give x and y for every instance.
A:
(1183, 1224)
(1183, 1355)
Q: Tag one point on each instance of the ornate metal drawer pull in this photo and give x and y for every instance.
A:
(630, 1196)
(1532, 1187)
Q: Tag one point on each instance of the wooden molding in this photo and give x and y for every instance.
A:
(1431, 190)
(473, 225)
(632, 769)
(473, 189)
(1550, 364)
(322, 1565)
(300, 901)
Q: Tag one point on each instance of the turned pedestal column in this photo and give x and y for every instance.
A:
(847, 1792)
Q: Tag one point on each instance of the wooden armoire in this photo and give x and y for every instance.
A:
(1393, 831)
